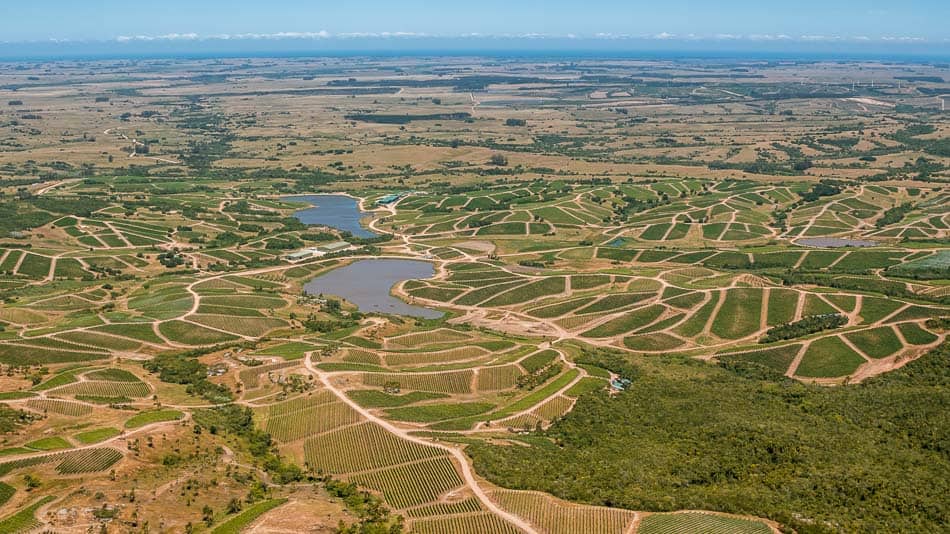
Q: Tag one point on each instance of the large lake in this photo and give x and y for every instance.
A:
(367, 283)
(337, 211)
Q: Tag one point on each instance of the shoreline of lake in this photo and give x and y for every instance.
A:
(368, 284)
(335, 210)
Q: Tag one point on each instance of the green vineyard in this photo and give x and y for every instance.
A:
(412, 484)
(558, 517)
(361, 448)
(61, 407)
(699, 522)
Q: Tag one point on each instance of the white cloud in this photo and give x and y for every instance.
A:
(165, 37)
(768, 37)
(818, 38)
(904, 39)
(663, 36)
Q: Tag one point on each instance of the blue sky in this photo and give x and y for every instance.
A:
(797, 20)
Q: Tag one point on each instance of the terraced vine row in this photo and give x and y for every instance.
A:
(699, 522)
(556, 517)
(412, 484)
(449, 382)
(62, 407)
(362, 447)
(101, 388)
(70, 462)
(311, 420)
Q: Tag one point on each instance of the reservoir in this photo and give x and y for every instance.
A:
(336, 211)
(834, 242)
(367, 283)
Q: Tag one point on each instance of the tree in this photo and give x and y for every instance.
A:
(234, 506)
(207, 515)
(499, 160)
(31, 482)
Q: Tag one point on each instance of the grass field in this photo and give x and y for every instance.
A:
(777, 359)
(828, 357)
(155, 416)
(915, 334)
(193, 334)
(630, 321)
(95, 436)
(293, 350)
(739, 315)
(49, 444)
(372, 398)
(876, 342)
(239, 522)
(430, 413)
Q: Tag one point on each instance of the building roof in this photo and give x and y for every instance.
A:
(336, 245)
(305, 253)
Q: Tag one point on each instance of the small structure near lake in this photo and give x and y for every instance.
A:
(316, 252)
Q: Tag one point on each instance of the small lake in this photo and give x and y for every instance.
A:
(834, 242)
(367, 283)
(336, 211)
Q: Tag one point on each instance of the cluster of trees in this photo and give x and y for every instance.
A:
(611, 360)
(804, 327)
(171, 259)
(11, 419)
(894, 215)
(499, 160)
(689, 434)
(187, 370)
(239, 421)
(373, 515)
(338, 318)
(824, 188)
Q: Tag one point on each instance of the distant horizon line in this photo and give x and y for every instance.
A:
(548, 46)
(324, 35)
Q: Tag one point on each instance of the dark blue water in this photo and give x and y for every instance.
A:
(367, 283)
(336, 211)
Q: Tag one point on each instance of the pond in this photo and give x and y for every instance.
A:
(336, 211)
(367, 283)
(834, 242)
